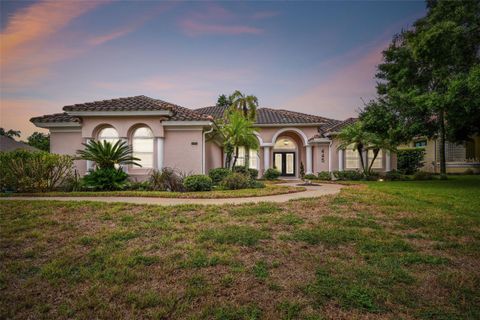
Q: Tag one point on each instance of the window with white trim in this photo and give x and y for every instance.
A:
(252, 158)
(377, 164)
(351, 158)
(142, 145)
(108, 134)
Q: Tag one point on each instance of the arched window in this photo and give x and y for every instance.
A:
(285, 144)
(142, 144)
(108, 134)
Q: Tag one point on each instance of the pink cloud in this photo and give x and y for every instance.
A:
(200, 23)
(340, 94)
(265, 14)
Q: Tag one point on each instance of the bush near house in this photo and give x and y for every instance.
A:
(410, 160)
(167, 179)
(105, 179)
(324, 175)
(24, 171)
(235, 181)
(218, 174)
(348, 175)
(423, 175)
(395, 176)
(271, 174)
(198, 182)
(310, 176)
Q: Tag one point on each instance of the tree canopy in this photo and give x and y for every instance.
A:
(40, 141)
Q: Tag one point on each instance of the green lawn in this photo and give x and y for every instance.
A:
(390, 250)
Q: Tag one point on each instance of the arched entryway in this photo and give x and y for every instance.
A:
(287, 153)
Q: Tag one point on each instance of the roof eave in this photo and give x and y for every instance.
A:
(120, 113)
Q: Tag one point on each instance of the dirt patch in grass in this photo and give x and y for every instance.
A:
(370, 252)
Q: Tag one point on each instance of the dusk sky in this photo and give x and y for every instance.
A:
(313, 57)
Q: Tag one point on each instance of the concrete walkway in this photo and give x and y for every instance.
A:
(312, 191)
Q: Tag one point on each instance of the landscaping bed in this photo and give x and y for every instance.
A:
(269, 190)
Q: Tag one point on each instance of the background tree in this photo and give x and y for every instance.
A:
(238, 131)
(224, 101)
(10, 133)
(40, 141)
(430, 76)
(246, 104)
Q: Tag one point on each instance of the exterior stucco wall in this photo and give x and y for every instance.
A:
(68, 143)
(213, 156)
(267, 133)
(181, 152)
(320, 163)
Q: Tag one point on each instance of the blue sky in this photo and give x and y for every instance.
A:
(314, 57)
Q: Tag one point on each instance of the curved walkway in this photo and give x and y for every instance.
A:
(312, 191)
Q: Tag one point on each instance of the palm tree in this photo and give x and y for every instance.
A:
(359, 138)
(246, 104)
(376, 144)
(238, 131)
(106, 155)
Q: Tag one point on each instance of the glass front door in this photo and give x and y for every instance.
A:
(285, 163)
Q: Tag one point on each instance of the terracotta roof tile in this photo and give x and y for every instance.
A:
(56, 117)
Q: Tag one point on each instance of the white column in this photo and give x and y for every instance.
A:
(309, 155)
(266, 158)
(89, 162)
(124, 167)
(340, 160)
(160, 151)
(330, 158)
(388, 164)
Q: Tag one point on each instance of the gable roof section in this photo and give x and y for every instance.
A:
(268, 116)
(339, 126)
(56, 119)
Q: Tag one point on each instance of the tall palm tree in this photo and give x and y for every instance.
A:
(238, 131)
(246, 104)
(376, 144)
(106, 155)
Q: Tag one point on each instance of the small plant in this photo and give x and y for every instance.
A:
(253, 173)
(271, 174)
(423, 175)
(106, 179)
(235, 181)
(348, 175)
(218, 174)
(108, 155)
(198, 182)
(167, 179)
(410, 160)
(310, 176)
(324, 175)
(255, 184)
(302, 171)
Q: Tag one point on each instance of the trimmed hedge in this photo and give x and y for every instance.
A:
(324, 175)
(271, 174)
(105, 179)
(198, 182)
(351, 175)
(218, 174)
(236, 181)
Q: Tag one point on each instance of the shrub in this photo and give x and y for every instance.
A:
(167, 179)
(422, 175)
(255, 184)
(107, 179)
(302, 171)
(372, 176)
(271, 174)
(253, 173)
(324, 175)
(395, 176)
(25, 171)
(410, 160)
(218, 174)
(198, 182)
(310, 176)
(235, 181)
(139, 185)
(348, 175)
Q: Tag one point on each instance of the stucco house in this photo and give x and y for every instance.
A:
(163, 134)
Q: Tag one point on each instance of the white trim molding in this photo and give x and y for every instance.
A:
(266, 158)
(160, 152)
(186, 123)
(48, 125)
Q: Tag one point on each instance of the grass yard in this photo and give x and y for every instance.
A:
(269, 190)
(391, 250)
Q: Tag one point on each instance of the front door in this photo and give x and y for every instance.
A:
(285, 163)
